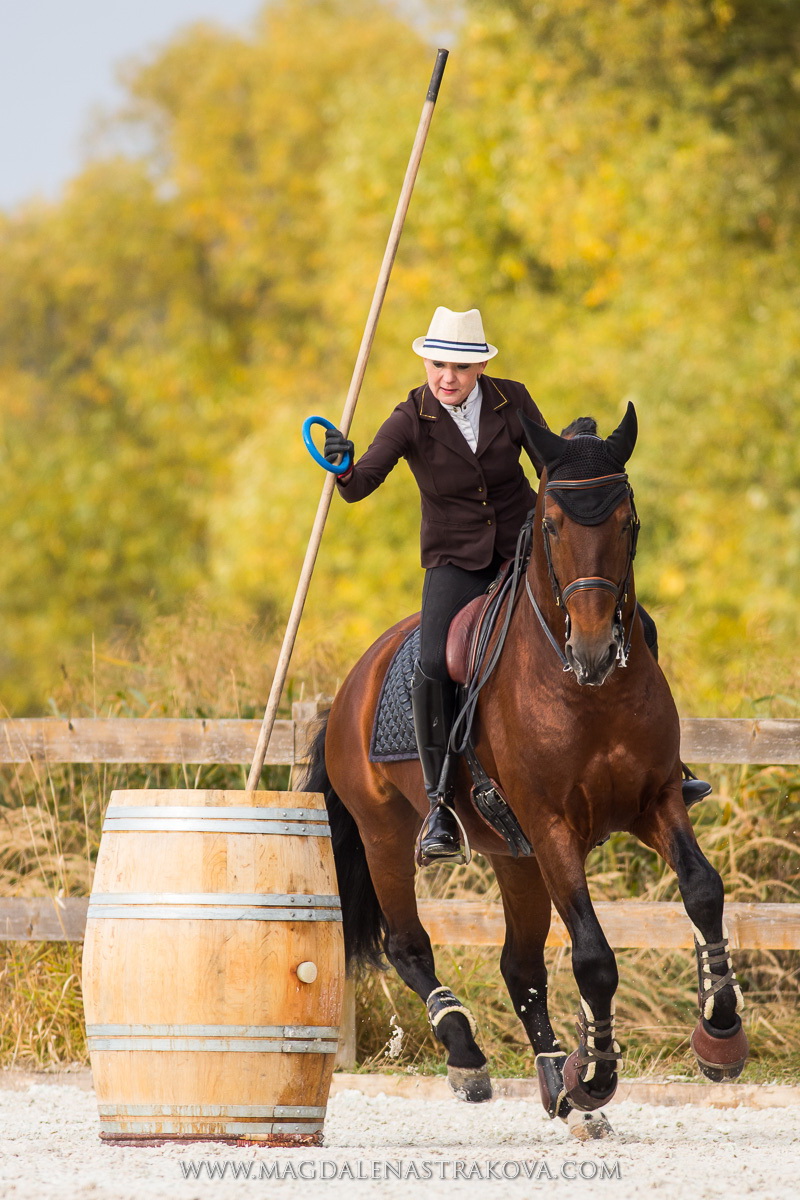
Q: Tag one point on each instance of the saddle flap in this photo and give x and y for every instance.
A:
(464, 627)
(459, 638)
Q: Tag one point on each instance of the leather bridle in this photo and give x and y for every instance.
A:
(590, 582)
(484, 662)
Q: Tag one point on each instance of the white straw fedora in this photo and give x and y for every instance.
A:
(455, 337)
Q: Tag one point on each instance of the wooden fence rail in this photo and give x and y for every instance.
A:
(183, 740)
(628, 924)
(118, 740)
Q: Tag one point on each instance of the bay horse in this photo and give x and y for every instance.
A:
(580, 748)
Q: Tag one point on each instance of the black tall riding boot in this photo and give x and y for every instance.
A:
(693, 789)
(433, 703)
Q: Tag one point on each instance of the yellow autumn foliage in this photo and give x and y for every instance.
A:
(614, 185)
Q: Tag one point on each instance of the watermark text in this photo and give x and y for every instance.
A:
(422, 1169)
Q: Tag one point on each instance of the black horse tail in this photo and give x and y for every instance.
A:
(364, 924)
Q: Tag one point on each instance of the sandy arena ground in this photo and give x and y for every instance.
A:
(49, 1150)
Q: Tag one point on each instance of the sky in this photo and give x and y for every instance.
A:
(57, 64)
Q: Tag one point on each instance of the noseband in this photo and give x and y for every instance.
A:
(590, 582)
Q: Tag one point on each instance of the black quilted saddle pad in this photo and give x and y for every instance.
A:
(393, 731)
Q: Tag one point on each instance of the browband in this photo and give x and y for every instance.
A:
(598, 481)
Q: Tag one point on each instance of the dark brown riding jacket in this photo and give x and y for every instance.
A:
(473, 503)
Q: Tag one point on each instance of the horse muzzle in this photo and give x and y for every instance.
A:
(592, 660)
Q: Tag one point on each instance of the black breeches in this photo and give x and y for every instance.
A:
(446, 590)
(650, 631)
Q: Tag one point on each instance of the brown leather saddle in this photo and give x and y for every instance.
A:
(466, 627)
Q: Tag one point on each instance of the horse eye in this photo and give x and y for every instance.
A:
(549, 527)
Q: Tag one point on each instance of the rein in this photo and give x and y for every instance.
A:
(480, 675)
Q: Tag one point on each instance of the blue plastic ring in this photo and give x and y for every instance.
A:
(334, 468)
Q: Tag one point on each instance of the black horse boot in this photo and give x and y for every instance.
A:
(433, 705)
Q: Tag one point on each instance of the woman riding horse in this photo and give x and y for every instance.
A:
(462, 435)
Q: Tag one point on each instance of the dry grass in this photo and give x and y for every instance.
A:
(656, 1013)
(50, 823)
(50, 831)
(42, 1007)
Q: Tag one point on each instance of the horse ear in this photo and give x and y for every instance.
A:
(620, 443)
(545, 445)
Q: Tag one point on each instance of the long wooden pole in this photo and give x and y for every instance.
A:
(304, 582)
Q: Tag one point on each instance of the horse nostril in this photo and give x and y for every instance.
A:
(578, 668)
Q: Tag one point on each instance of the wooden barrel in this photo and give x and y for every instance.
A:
(213, 967)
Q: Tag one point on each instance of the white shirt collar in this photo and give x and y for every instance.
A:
(467, 415)
(467, 406)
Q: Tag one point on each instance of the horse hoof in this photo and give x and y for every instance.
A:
(720, 1054)
(587, 1127)
(470, 1083)
(578, 1092)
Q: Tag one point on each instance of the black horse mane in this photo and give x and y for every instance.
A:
(580, 425)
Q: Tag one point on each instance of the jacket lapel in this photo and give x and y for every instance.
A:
(491, 421)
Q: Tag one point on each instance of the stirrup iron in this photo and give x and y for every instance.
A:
(458, 857)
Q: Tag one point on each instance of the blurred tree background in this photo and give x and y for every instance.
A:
(616, 186)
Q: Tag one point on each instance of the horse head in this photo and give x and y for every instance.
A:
(589, 528)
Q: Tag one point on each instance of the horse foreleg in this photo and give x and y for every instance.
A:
(718, 1041)
(526, 905)
(590, 1072)
(408, 947)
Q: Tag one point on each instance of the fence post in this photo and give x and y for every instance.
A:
(303, 712)
(346, 1054)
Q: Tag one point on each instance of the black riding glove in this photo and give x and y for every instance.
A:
(337, 445)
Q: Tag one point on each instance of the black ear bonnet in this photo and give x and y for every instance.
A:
(576, 462)
(587, 457)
